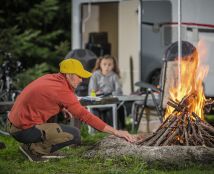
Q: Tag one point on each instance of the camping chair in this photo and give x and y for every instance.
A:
(168, 74)
(151, 100)
(88, 59)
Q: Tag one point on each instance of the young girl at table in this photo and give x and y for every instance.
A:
(105, 81)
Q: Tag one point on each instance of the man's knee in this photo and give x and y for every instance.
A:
(75, 132)
(53, 134)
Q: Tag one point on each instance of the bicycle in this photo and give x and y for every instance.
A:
(8, 93)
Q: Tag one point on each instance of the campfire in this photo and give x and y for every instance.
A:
(184, 137)
(184, 122)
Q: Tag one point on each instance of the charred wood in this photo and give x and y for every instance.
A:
(182, 128)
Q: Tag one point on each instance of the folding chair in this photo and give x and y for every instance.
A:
(168, 74)
(139, 107)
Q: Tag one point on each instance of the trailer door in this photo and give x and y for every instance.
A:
(154, 14)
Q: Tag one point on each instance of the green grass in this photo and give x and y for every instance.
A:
(13, 162)
(209, 118)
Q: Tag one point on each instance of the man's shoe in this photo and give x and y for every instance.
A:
(32, 157)
(56, 155)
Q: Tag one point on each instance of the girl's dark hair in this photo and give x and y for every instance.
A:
(98, 62)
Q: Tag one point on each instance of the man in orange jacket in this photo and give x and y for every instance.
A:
(44, 98)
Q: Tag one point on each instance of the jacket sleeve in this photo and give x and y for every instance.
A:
(70, 102)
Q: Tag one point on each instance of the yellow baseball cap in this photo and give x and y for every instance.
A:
(73, 66)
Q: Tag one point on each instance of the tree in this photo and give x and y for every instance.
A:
(36, 32)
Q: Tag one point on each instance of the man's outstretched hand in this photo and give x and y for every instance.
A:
(120, 133)
(66, 113)
(126, 135)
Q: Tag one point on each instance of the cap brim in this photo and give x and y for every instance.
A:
(84, 74)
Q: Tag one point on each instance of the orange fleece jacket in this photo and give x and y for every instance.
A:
(44, 98)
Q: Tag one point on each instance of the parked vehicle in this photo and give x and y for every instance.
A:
(159, 29)
(8, 69)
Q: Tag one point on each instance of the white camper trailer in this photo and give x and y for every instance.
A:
(142, 29)
(159, 28)
(120, 19)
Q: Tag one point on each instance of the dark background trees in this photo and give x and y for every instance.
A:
(35, 32)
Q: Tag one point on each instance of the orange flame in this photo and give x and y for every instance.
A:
(192, 73)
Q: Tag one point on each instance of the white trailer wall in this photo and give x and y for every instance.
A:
(129, 42)
(128, 36)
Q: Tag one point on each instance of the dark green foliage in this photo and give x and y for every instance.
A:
(31, 74)
(36, 31)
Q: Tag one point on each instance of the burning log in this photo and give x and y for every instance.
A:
(182, 127)
(209, 102)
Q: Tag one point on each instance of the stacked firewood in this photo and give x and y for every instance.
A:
(182, 127)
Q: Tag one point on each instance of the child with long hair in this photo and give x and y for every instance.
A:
(105, 80)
